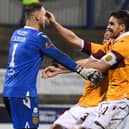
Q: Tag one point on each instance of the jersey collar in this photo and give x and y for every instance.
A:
(122, 35)
(29, 27)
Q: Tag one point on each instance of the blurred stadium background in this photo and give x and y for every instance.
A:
(87, 18)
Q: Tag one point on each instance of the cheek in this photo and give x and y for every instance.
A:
(116, 29)
(43, 19)
(116, 33)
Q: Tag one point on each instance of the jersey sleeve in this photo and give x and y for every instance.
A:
(121, 47)
(50, 50)
(120, 50)
(90, 47)
(113, 54)
(101, 51)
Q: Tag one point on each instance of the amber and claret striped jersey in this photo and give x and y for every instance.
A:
(118, 74)
(93, 95)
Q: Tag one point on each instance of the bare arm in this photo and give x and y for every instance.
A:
(100, 65)
(67, 34)
(52, 71)
(91, 74)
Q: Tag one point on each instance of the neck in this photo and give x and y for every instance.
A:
(33, 24)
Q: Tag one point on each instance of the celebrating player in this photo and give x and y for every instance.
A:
(114, 57)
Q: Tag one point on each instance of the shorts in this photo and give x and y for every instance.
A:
(24, 112)
(110, 115)
(74, 116)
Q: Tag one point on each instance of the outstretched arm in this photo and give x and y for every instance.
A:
(67, 34)
(53, 70)
(92, 74)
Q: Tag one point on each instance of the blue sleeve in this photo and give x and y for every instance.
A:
(53, 52)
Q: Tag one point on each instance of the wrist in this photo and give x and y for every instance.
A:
(56, 25)
(78, 68)
(53, 23)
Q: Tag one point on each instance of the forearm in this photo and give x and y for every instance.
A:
(100, 65)
(68, 35)
(62, 71)
(92, 63)
(84, 62)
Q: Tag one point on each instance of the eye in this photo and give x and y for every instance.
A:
(111, 23)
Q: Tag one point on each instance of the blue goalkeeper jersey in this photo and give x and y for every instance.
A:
(27, 48)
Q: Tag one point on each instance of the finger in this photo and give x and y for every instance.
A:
(48, 14)
(44, 74)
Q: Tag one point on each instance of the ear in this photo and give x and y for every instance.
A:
(122, 27)
(37, 19)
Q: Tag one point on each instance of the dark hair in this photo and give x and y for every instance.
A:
(122, 16)
(29, 9)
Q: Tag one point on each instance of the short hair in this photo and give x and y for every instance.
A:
(122, 16)
(31, 8)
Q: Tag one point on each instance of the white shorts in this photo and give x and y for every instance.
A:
(110, 115)
(74, 116)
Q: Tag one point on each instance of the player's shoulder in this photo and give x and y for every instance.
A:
(42, 35)
(125, 39)
(21, 32)
(122, 42)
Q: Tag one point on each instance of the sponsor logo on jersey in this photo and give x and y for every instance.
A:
(18, 39)
(21, 32)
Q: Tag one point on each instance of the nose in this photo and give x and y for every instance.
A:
(108, 26)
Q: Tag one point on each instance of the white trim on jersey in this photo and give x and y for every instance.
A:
(122, 35)
(82, 45)
(93, 58)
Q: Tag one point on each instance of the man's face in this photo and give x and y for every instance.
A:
(114, 27)
(42, 18)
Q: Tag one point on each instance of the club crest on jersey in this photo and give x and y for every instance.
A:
(35, 120)
(35, 115)
(48, 45)
(108, 58)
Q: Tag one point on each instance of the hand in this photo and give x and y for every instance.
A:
(50, 17)
(50, 71)
(93, 75)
